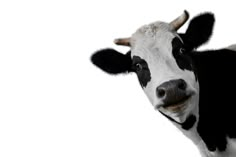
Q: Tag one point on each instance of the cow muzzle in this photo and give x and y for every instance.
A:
(174, 95)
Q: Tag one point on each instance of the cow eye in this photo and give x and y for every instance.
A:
(138, 67)
(182, 51)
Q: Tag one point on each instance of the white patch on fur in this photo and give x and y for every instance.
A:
(151, 29)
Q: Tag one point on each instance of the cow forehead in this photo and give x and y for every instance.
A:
(151, 29)
(152, 37)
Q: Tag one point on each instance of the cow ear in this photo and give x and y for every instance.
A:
(112, 61)
(199, 30)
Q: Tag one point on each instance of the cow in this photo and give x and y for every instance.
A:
(194, 89)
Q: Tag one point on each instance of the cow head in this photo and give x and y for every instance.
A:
(162, 60)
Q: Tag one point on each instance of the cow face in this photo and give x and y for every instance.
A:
(164, 70)
(162, 61)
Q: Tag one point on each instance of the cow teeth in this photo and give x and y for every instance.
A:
(177, 107)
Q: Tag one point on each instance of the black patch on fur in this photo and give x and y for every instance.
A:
(112, 61)
(188, 124)
(182, 57)
(198, 31)
(190, 121)
(217, 104)
(183, 60)
(144, 75)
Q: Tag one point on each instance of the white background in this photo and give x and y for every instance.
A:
(55, 103)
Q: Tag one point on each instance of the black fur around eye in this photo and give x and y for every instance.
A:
(181, 56)
(140, 67)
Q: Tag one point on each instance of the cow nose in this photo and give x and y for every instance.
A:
(172, 91)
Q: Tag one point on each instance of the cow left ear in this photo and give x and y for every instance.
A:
(199, 31)
(112, 61)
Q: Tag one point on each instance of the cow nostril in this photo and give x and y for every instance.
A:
(161, 92)
(182, 85)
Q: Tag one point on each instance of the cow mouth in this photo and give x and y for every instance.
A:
(178, 105)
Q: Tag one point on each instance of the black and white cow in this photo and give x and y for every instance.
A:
(194, 90)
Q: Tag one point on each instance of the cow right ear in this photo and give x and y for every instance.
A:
(199, 30)
(112, 61)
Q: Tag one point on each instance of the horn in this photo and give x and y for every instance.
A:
(122, 41)
(179, 21)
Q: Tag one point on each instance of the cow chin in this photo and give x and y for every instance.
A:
(181, 110)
